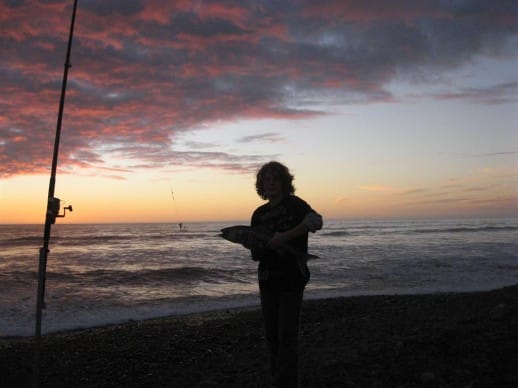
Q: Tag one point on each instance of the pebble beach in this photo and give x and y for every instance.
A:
(430, 340)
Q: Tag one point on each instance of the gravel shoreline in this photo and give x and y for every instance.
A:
(433, 340)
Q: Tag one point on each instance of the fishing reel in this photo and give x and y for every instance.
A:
(53, 209)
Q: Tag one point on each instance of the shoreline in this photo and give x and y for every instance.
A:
(310, 295)
(441, 339)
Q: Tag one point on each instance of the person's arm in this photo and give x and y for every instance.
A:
(311, 223)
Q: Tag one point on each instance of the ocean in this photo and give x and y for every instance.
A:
(112, 273)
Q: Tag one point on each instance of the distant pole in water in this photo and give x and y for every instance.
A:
(53, 207)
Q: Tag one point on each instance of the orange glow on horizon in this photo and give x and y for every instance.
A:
(30, 207)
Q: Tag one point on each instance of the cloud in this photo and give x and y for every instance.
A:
(264, 137)
(145, 71)
(417, 191)
(341, 199)
(495, 94)
(377, 188)
(196, 145)
(502, 153)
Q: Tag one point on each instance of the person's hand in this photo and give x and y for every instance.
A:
(313, 221)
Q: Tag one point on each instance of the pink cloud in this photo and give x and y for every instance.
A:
(145, 71)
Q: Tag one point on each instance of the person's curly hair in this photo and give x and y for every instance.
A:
(281, 171)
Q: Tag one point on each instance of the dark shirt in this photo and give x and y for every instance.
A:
(279, 270)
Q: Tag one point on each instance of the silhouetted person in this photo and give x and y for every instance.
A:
(282, 278)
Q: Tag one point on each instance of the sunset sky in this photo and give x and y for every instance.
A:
(380, 108)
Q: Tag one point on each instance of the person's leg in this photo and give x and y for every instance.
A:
(288, 339)
(270, 308)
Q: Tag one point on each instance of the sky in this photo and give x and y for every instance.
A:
(381, 109)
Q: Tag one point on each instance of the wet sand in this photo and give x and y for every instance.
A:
(436, 340)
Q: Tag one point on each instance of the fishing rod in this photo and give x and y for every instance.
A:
(53, 207)
(180, 223)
